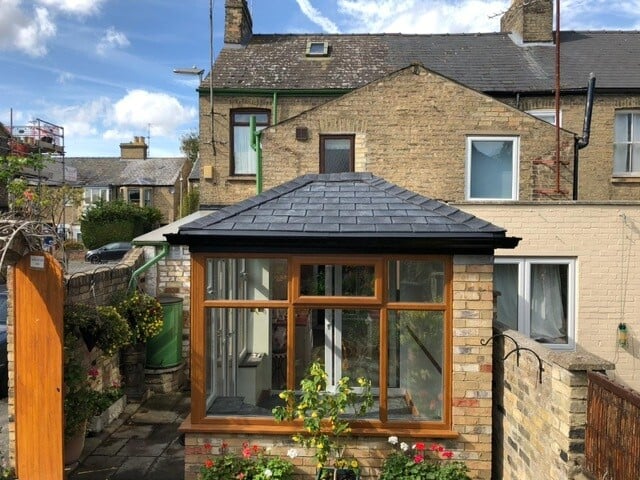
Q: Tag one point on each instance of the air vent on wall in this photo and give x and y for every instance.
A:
(302, 134)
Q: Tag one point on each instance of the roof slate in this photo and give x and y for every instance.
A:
(345, 204)
(105, 171)
(489, 62)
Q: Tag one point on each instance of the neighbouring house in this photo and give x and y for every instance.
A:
(159, 182)
(466, 119)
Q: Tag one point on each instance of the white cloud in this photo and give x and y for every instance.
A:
(110, 40)
(140, 109)
(316, 17)
(82, 120)
(25, 31)
(413, 16)
(65, 77)
(459, 16)
(74, 7)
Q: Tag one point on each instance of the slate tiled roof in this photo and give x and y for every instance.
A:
(341, 206)
(489, 62)
(105, 171)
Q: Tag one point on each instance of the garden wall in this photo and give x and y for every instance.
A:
(539, 428)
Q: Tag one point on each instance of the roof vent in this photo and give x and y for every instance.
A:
(317, 49)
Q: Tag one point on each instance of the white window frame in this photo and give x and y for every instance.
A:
(626, 173)
(524, 298)
(515, 163)
(545, 112)
(92, 194)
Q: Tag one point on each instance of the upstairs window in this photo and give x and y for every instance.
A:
(317, 49)
(547, 115)
(336, 153)
(243, 157)
(626, 146)
(492, 168)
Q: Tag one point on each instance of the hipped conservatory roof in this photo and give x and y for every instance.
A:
(341, 213)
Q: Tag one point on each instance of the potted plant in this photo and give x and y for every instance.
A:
(78, 400)
(145, 317)
(322, 413)
(418, 462)
(109, 404)
(98, 326)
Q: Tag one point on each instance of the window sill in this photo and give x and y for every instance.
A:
(241, 178)
(270, 427)
(628, 178)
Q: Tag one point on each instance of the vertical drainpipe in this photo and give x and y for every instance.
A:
(254, 141)
(274, 109)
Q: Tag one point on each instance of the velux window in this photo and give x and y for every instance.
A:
(626, 159)
(267, 319)
(536, 297)
(492, 168)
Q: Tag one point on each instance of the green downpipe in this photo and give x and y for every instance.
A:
(254, 141)
(134, 276)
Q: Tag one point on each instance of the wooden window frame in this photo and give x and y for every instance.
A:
(232, 123)
(199, 422)
(334, 136)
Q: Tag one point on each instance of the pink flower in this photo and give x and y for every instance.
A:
(434, 447)
(447, 454)
(240, 476)
(93, 373)
(418, 459)
(207, 447)
(246, 452)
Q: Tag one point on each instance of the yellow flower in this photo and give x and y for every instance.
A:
(354, 464)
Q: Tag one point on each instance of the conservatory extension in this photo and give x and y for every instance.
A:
(356, 273)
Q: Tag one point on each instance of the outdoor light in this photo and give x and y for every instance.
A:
(190, 71)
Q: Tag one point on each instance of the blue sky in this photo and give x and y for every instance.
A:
(103, 69)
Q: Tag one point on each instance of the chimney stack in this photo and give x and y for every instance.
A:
(530, 20)
(136, 150)
(238, 26)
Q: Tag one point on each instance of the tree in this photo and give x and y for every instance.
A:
(190, 145)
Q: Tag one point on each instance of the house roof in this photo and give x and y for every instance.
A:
(106, 171)
(489, 62)
(346, 212)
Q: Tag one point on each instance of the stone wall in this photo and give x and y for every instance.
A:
(471, 391)
(539, 427)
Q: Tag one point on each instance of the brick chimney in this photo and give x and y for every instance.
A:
(238, 26)
(136, 150)
(530, 20)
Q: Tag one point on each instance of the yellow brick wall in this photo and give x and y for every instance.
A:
(604, 239)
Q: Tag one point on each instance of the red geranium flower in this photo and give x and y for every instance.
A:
(208, 463)
(447, 454)
(418, 459)
(420, 446)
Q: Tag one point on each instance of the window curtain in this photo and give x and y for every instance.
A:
(245, 157)
(506, 284)
(547, 309)
(491, 169)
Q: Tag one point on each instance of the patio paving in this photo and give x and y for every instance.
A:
(142, 444)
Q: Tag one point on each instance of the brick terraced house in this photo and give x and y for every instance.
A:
(467, 121)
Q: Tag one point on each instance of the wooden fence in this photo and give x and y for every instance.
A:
(612, 437)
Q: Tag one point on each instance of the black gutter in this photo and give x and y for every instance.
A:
(583, 141)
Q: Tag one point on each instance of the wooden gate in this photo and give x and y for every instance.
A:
(612, 441)
(38, 334)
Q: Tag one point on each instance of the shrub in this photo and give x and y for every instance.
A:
(251, 464)
(100, 326)
(144, 314)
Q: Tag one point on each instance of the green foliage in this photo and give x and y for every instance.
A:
(73, 245)
(322, 412)
(78, 398)
(116, 221)
(190, 145)
(102, 326)
(144, 314)
(250, 464)
(191, 202)
(416, 463)
(6, 472)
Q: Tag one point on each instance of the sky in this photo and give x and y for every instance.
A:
(103, 69)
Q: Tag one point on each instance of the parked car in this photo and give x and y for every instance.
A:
(4, 364)
(110, 251)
